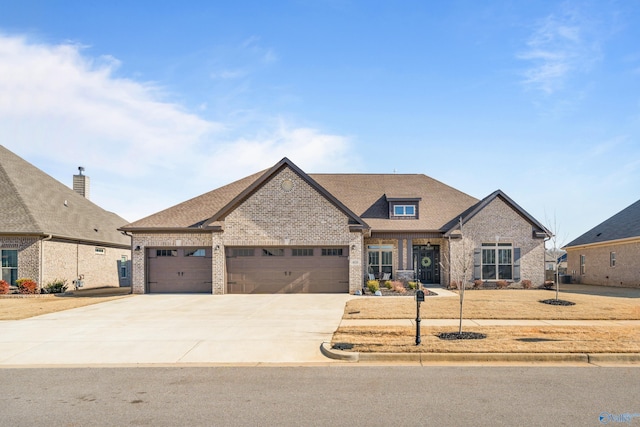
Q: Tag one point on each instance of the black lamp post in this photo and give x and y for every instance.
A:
(419, 299)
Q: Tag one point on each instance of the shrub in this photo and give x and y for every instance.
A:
(388, 284)
(413, 285)
(373, 286)
(502, 284)
(27, 286)
(526, 284)
(398, 287)
(453, 285)
(58, 286)
(548, 284)
(4, 287)
(477, 284)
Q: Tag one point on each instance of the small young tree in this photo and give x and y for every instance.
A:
(461, 266)
(555, 252)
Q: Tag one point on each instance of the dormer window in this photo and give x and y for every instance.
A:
(404, 210)
(403, 207)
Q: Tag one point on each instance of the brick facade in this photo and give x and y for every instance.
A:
(598, 268)
(270, 216)
(73, 260)
(45, 260)
(142, 241)
(498, 222)
(299, 217)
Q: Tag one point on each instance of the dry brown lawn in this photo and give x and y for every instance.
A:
(500, 339)
(497, 304)
(23, 308)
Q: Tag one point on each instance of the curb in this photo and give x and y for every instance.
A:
(587, 358)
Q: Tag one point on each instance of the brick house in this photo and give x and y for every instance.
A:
(49, 231)
(283, 230)
(609, 253)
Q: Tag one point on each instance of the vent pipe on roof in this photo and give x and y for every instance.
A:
(81, 183)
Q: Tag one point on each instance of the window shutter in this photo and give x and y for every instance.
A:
(516, 264)
(477, 263)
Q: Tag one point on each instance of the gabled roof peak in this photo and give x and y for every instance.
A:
(473, 210)
(258, 183)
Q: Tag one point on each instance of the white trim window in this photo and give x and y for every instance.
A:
(612, 259)
(9, 266)
(583, 264)
(380, 260)
(404, 210)
(497, 261)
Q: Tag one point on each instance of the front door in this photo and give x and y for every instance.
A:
(426, 262)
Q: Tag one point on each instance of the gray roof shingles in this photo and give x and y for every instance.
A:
(33, 203)
(364, 194)
(623, 225)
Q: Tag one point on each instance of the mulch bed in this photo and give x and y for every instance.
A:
(461, 336)
(557, 302)
(409, 293)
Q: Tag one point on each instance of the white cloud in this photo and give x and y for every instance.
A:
(308, 148)
(142, 151)
(561, 46)
(53, 96)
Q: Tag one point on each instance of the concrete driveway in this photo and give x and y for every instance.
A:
(168, 329)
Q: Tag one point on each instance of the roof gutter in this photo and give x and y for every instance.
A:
(171, 229)
(623, 241)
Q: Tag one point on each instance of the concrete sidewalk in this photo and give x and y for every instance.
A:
(481, 358)
(486, 322)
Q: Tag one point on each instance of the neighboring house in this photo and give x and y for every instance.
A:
(49, 231)
(555, 259)
(609, 253)
(283, 230)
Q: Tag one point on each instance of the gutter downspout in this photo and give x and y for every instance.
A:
(130, 269)
(44, 239)
(449, 266)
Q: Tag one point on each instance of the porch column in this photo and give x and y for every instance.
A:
(409, 254)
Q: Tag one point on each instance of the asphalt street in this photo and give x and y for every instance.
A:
(334, 395)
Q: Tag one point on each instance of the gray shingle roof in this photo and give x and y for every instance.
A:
(366, 195)
(623, 225)
(34, 203)
(363, 194)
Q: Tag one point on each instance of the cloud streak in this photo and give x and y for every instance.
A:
(561, 46)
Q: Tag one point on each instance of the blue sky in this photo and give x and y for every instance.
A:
(162, 101)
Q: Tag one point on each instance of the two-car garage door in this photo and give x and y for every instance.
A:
(250, 270)
(287, 270)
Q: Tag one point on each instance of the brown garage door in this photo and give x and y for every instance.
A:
(287, 270)
(179, 270)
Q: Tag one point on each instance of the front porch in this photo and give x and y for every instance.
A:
(407, 258)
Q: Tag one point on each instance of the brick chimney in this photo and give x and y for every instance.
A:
(81, 183)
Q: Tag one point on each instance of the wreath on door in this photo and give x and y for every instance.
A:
(426, 261)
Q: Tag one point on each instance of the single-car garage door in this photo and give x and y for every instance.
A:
(287, 270)
(179, 270)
